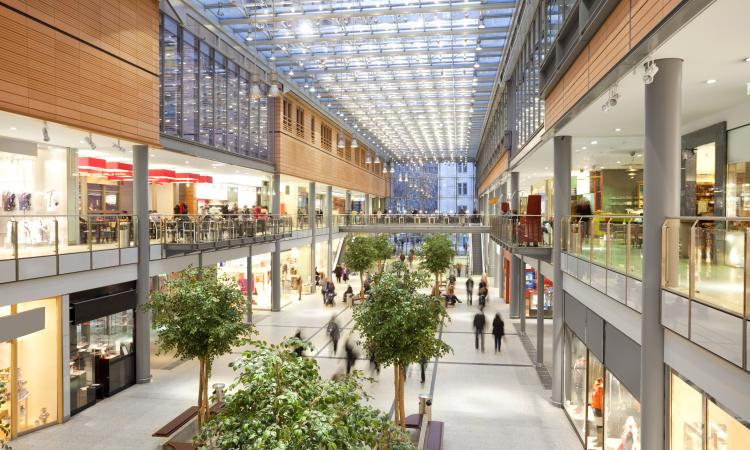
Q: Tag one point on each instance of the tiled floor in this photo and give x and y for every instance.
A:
(487, 400)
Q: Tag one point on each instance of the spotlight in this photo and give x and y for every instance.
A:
(45, 133)
(90, 142)
(650, 71)
(611, 102)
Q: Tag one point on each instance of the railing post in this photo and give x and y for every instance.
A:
(691, 262)
(628, 240)
(57, 237)
(607, 245)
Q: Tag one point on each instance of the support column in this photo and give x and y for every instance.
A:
(539, 314)
(249, 277)
(313, 217)
(367, 204)
(348, 202)
(522, 294)
(329, 224)
(515, 288)
(143, 318)
(661, 199)
(276, 254)
(562, 161)
(501, 275)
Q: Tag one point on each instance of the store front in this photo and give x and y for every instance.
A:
(295, 273)
(30, 367)
(532, 290)
(604, 413)
(102, 349)
(697, 422)
(260, 286)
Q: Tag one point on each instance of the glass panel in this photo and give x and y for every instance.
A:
(263, 152)
(170, 78)
(720, 261)
(724, 431)
(575, 380)
(38, 365)
(206, 95)
(233, 114)
(6, 411)
(686, 416)
(189, 86)
(595, 422)
(220, 105)
(622, 416)
(244, 119)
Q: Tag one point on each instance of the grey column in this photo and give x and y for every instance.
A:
(515, 288)
(143, 318)
(329, 224)
(367, 204)
(522, 294)
(501, 275)
(562, 161)
(249, 277)
(276, 254)
(539, 314)
(313, 229)
(661, 199)
(348, 203)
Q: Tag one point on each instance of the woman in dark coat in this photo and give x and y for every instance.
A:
(498, 330)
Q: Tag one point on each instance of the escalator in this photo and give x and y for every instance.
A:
(477, 264)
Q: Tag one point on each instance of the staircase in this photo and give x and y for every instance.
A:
(477, 265)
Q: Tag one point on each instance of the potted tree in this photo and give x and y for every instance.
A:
(279, 400)
(383, 250)
(360, 255)
(199, 315)
(400, 325)
(436, 256)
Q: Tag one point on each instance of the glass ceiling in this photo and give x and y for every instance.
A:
(414, 77)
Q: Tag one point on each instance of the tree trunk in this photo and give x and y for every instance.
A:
(436, 291)
(401, 396)
(362, 285)
(396, 397)
(201, 387)
(203, 392)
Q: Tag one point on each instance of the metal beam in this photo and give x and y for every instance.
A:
(408, 68)
(364, 12)
(495, 51)
(497, 31)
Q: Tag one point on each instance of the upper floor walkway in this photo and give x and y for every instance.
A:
(413, 223)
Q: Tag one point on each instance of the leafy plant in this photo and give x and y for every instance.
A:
(399, 325)
(437, 254)
(4, 428)
(280, 401)
(383, 249)
(199, 315)
(360, 255)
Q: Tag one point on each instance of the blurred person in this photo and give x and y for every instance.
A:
(498, 331)
(480, 323)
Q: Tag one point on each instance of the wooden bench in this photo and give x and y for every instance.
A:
(414, 421)
(434, 439)
(179, 446)
(177, 422)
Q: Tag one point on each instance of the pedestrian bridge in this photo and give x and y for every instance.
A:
(413, 223)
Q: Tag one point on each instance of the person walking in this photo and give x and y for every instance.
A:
(338, 272)
(422, 368)
(480, 323)
(299, 348)
(345, 274)
(498, 330)
(469, 289)
(334, 331)
(351, 356)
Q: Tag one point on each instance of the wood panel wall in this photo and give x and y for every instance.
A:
(628, 24)
(500, 166)
(303, 157)
(90, 64)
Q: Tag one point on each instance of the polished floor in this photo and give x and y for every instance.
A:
(487, 400)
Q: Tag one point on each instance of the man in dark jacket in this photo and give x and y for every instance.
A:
(498, 330)
(334, 331)
(469, 289)
(480, 323)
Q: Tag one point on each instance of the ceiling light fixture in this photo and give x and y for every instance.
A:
(45, 132)
(341, 143)
(650, 71)
(711, 81)
(355, 144)
(90, 142)
(274, 91)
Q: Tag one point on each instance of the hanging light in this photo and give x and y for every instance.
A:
(385, 170)
(400, 179)
(341, 143)
(355, 144)
(274, 90)
(255, 93)
(406, 177)
(377, 159)
(368, 159)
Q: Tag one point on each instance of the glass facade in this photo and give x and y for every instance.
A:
(205, 96)
(622, 416)
(446, 187)
(575, 381)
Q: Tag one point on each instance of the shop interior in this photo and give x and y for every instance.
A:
(30, 374)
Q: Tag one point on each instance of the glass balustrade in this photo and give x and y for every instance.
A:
(610, 241)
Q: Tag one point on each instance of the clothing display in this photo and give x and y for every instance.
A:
(31, 231)
(24, 201)
(9, 201)
(53, 199)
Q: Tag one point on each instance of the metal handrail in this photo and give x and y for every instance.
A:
(525, 230)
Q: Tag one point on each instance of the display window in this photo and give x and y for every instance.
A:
(622, 416)
(101, 359)
(295, 272)
(596, 404)
(260, 284)
(697, 422)
(575, 381)
(532, 293)
(30, 370)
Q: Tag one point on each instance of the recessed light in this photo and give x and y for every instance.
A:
(583, 148)
(747, 60)
(618, 129)
(12, 128)
(594, 142)
(711, 81)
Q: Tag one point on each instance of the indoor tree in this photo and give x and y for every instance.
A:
(279, 400)
(383, 249)
(400, 325)
(360, 255)
(198, 314)
(436, 256)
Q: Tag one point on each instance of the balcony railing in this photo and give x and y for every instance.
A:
(409, 219)
(221, 230)
(521, 230)
(611, 241)
(705, 282)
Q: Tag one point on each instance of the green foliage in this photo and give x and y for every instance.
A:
(199, 315)
(398, 324)
(360, 254)
(4, 429)
(279, 401)
(437, 253)
(383, 249)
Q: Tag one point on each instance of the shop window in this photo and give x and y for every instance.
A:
(724, 431)
(686, 416)
(102, 198)
(622, 416)
(596, 404)
(575, 381)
